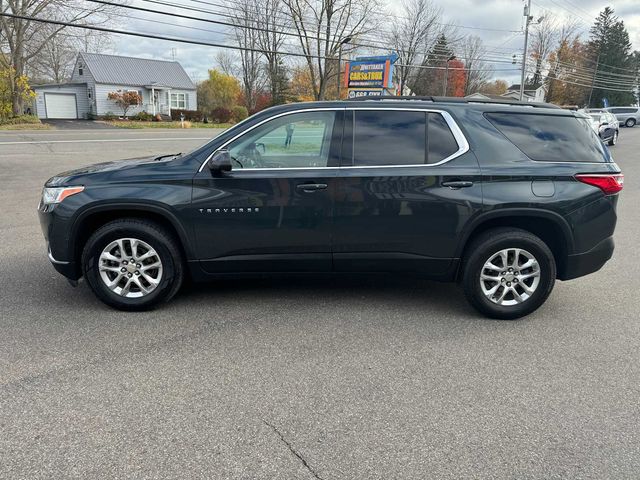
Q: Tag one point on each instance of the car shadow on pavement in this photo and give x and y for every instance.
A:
(396, 292)
(399, 291)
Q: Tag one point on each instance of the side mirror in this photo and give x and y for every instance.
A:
(220, 162)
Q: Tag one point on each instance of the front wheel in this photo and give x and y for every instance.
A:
(508, 273)
(613, 140)
(631, 122)
(132, 264)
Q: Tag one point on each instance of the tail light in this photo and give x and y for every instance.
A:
(608, 183)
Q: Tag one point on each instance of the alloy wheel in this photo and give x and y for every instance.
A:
(130, 267)
(510, 276)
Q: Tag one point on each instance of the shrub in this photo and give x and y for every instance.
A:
(109, 116)
(20, 119)
(125, 100)
(239, 113)
(190, 115)
(221, 115)
(142, 117)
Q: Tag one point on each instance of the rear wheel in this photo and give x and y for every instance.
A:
(631, 122)
(132, 264)
(508, 273)
(613, 140)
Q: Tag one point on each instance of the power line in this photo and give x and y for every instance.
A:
(229, 7)
(183, 40)
(386, 16)
(262, 29)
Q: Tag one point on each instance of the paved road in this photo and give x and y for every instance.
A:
(331, 379)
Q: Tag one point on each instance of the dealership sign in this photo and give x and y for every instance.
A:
(369, 76)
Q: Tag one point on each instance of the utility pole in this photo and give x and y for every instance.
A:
(528, 17)
(446, 76)
(593, 80)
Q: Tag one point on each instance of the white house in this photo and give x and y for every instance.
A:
(162, 85)
(532, 93)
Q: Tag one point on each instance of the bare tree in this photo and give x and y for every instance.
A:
(322, 26)
(412, 35)
(56, 59)
(472, 53)
(54, 62)
(246, 33)
(23, 39)
(273, 20)
(560, 57)
(226, 63)
(544, 39)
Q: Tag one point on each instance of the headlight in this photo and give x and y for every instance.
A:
(54, 195)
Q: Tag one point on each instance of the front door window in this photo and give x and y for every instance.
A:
(299, 140)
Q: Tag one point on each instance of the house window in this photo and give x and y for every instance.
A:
(90, 92)
(80, 70)
(179, 100)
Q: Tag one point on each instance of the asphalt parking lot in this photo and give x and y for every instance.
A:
(300, 379)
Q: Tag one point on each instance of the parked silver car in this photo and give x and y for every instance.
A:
(627, 116)
(606, 125)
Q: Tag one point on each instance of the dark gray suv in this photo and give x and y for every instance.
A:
(503, 198)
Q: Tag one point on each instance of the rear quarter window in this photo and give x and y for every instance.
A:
(551, 138)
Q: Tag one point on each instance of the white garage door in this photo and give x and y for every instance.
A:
(60, 105)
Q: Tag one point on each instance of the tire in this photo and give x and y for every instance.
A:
(614, 139)
(483, 249)
(160, 274)
(631, 122)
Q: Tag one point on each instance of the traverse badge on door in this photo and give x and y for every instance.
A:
(229, 210)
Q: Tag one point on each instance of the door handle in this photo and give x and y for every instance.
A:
(311, 187)
(456, 184)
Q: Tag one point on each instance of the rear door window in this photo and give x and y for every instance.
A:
(551, 138)
(390, 137)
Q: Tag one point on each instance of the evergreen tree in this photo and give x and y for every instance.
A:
(430, 81)
(610, 49)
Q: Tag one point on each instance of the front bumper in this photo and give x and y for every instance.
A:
(588, 262)
(55, 228)
(68, 269)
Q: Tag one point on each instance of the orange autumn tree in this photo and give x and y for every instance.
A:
(457, 78)
(301, 84)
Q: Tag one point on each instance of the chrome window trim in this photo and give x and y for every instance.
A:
(461, 140)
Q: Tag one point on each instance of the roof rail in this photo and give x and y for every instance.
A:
(433, 99)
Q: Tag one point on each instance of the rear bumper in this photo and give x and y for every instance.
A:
(588, 262)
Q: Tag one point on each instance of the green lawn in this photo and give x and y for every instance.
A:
(140, 125)
(26, 126)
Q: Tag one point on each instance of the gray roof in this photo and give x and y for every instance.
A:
(529, 87)
(116, 70)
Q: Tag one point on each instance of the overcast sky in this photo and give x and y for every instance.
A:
(497, 22)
